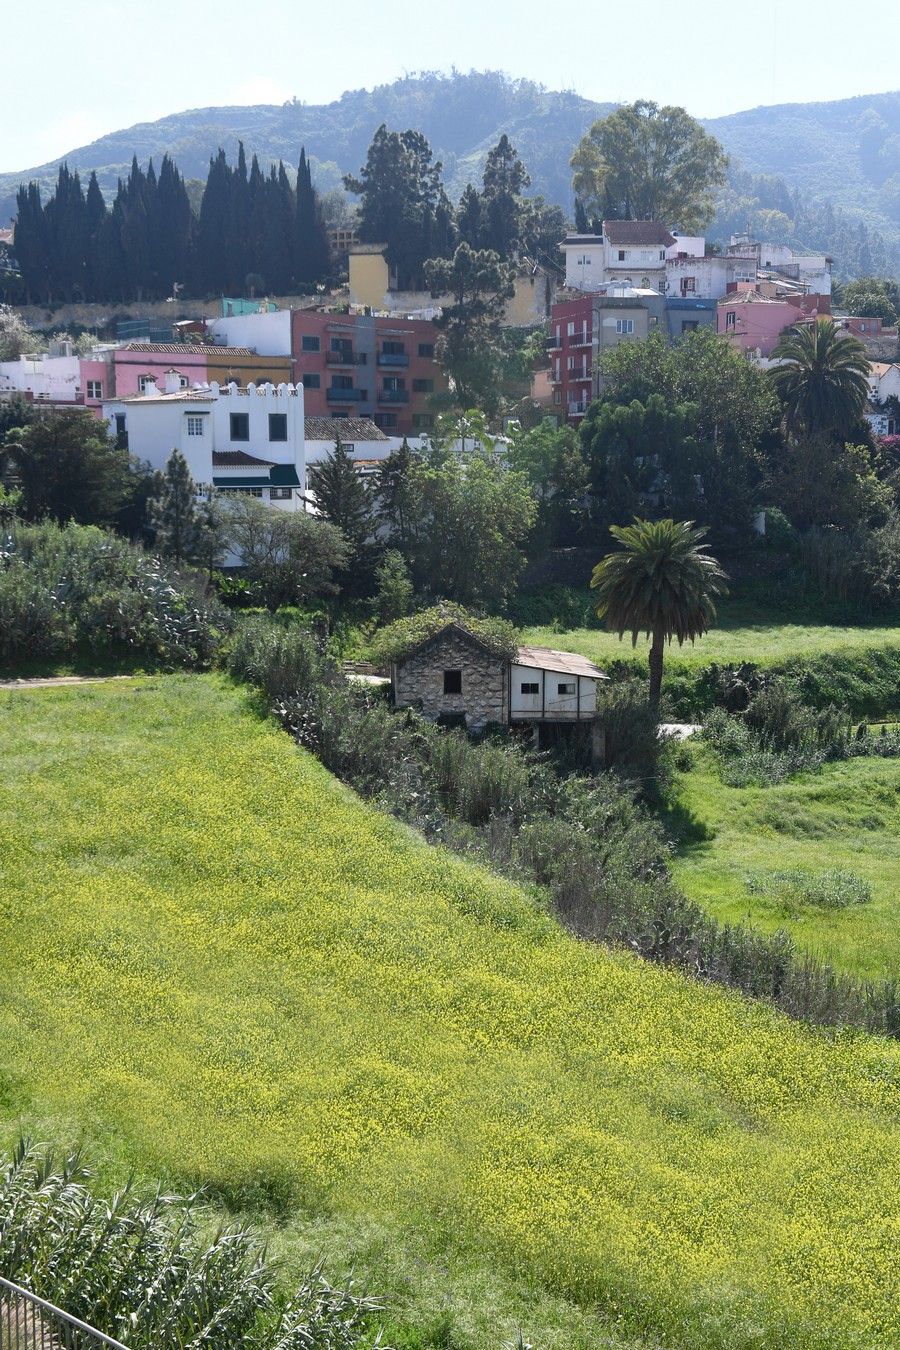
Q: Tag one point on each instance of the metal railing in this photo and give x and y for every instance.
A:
(31, 1323)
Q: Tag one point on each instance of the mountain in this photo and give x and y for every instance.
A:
(843, 155)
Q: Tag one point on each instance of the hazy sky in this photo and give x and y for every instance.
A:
(71, 70)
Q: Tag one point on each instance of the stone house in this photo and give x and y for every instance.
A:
(456, 676)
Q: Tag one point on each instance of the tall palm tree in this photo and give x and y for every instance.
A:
(662, 582)
(823, 381)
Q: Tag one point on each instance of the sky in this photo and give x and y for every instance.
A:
(71, 70)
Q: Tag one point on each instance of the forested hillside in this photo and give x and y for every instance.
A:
(823, 175)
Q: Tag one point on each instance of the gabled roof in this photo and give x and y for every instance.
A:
(348, 428)
(566, 663)
(637, 232)
(238, 459)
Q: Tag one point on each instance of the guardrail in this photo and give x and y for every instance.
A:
(31, 1323)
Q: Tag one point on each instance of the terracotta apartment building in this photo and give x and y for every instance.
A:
(364, 365)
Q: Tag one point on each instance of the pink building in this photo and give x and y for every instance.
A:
(139, 362)
(755, 322)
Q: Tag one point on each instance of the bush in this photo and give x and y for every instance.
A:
(145, 1270)
(70, 588)
(393, 642)
(632, 745)
(832, 889)
(278, 659)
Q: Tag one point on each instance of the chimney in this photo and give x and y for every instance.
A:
(173, 381)
(150, 386)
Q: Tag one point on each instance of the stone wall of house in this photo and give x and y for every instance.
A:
(419, 682)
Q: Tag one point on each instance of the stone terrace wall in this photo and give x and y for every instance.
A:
(419, 682)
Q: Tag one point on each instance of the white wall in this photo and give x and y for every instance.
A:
(584, 265)
(548, 699)
(55, 378)
(694, 245)
(266, 334)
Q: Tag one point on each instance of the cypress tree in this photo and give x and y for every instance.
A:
(32, 248)
(311, 242)
(94, 220)
(212, 230)
(469, 217)
(257, 262)
(174, 230)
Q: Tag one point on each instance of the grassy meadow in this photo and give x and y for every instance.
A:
(846, 817)
(218, 966)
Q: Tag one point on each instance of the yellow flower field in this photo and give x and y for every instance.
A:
(219, 966)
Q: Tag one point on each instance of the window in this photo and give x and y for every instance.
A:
(240, 426)
(393, 348)
(426, 349)
(309, 344)
(688, 325)
(393, 384)
(182, 381)
(423, 386)
(645, 282)
(195, 426)
(423, 421)
(277, 426)
(385, 420)
(565, 688)
(621, 255)
(530, 687)
(688, 285)
(624, 325)
(280, 494)
(730, 319)
(452, 681)
(570, 329)
(95, 389)
(662, 288)
(312, 380)
(662, 255)
(144, 381)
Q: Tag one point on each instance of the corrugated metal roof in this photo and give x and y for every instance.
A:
(567, 663)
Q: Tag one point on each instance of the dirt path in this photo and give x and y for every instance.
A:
(51, 680)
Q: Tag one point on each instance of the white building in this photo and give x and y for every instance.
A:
(237, 440)
(366, 442)
(266, 333)
(48, 379)
(810, 270)
(629, 253)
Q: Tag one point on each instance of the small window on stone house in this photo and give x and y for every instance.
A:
(531, 687)
(565, 688)
(452, 681)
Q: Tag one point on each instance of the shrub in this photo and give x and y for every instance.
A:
(143, 1269)
(70, 588)
(632, 745)
(278, 659)
(832, 889)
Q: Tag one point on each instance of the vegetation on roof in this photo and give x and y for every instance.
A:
(398, 639)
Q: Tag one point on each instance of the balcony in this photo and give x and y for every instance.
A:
(580, 340)
(336, 395)
(393, 396)
(393, 359)
(551, 345)
(577, 407)
(345, 358)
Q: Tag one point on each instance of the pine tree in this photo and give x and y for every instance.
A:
(173, 514)
(394, 494)
(505, 178)
(468, 217)
(344, 500)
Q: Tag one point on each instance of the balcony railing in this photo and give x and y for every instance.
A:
(31, 1323)
(336, 395)
(551, 345)
(577, 407)
(345, 358)
(580, 340)
(393, 396)
(393, 359)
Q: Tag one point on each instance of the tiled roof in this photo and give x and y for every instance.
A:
(348, 428)
(226, 459)
(637, 232)
(187, 349)
(183, 396)
(567, 663)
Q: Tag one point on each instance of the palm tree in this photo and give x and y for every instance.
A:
(823, 381)
(662, 582)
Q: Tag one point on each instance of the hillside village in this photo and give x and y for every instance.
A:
(449, 755)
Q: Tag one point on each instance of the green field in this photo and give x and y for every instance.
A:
(766, 643)
(219, 966)
(847, 816)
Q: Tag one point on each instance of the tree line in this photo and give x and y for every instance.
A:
(254, 232)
